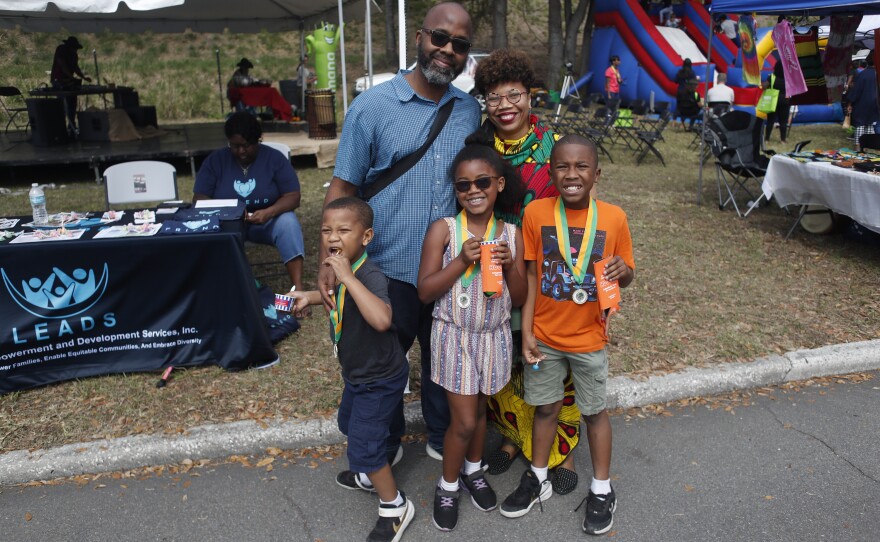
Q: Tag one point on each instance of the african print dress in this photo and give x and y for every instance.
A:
(471, 346)
(511, 414)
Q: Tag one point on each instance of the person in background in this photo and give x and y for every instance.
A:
(688, 103)
(863, 98)
(613, 80)
(685, 74)
(303, 74)
(667, 12)
(263, 179)
(728, 26)
(783, 104)
(67, 75)
(720, 93)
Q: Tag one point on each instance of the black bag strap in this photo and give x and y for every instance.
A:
(388, 176)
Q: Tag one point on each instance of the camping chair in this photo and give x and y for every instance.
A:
(869, 141)
(736, 145)
(139, 182)
(646, 140)
(13, 105)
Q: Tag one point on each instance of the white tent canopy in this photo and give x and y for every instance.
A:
(133, 16)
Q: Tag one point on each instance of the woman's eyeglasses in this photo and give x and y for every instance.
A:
(439, 38)
(513, 96)
(482, 183)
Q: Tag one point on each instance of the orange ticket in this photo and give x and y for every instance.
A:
(493, 275)
(607, 291)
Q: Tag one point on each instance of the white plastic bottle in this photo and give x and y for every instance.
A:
(38, 203)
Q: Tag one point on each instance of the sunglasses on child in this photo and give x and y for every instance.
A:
(482, 183)
(440, 38)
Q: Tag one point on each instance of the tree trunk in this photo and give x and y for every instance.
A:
(572, 31)
(554, 34)
(499, 24)
(587, 40)
(390, 34)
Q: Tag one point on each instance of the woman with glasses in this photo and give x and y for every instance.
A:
(262, 179)
(505, 79)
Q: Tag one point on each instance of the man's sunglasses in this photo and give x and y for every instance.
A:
(482, 183)
(439, 38)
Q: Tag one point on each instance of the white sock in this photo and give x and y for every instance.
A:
(470, 468)
(540, 473)
(364, 480)
(448, 486)
(398, 501)
(601, 487)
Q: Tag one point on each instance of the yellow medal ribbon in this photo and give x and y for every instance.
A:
(461, 224)
(580, 270)
(339, 298)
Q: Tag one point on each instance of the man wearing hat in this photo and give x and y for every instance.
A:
(241, 78)
(67, 75)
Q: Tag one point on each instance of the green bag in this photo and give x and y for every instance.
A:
(624, 118)
(767, 103)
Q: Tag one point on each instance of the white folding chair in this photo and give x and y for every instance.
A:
(280, 147)
(139, 182)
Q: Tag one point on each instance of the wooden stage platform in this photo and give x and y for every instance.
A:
(182, 141)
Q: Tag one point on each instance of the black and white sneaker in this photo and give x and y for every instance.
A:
(600, 513)
(482, 494)
(529, 492)
(350, 480)
(393, 520)
(445, 509)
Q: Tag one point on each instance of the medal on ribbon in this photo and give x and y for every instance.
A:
(578, 270)
(464, 300)
(339, 298)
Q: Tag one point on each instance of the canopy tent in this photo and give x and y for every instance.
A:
(171, 16)
(781, 7)
(133, 16)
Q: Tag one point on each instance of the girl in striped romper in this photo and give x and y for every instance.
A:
(471, 345)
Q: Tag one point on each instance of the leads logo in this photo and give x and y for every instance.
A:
(244, 189)
(60, 295)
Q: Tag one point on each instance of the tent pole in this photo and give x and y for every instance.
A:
(302, 54)
(219, 82)
(368, 35)
(705, 111)
(342, 51)
(401, 34)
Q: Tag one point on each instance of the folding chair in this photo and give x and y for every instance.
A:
(13, 104)
(139, 182)
(648, 139)
(280, 147)
(736, 145)
(599, 128)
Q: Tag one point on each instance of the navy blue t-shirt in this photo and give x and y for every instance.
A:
(268, 177)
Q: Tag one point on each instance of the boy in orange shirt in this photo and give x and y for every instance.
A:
(562, 326)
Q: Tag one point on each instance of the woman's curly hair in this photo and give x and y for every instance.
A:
(502, 66)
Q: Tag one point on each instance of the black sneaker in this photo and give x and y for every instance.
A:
(350, 480)
(482, 494)
(393, 520)
(445, 509)
(525, 496)
(600, 513)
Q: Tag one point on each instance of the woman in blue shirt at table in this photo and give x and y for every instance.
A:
(264, 180)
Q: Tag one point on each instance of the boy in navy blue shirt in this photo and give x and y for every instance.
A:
(374, 367)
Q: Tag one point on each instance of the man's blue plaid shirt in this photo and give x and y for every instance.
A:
(383, 125)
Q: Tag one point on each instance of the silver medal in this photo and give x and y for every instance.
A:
(464, 300)
(335, 350)
(579, 296)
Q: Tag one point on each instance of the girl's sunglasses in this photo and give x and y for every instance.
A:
(482, 183)
(440, 38)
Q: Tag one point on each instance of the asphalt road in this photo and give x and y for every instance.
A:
(793, 465)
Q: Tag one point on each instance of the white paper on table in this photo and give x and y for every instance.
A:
(128, 231)
(7, 223)
(166, 210)
(213, 203)
(41, 236)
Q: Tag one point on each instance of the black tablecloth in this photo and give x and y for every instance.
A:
(71, 309)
